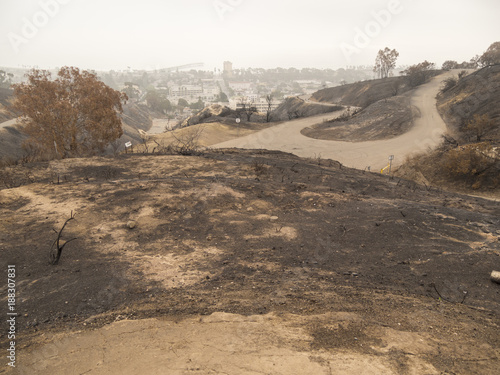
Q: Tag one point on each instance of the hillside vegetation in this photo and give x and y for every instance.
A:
(475, 94)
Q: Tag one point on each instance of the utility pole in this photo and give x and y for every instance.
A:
(391, 158)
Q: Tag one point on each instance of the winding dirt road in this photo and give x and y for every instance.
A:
(426, 133)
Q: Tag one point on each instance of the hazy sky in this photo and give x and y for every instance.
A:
(149, 34)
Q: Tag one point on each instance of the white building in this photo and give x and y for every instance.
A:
(240, 86)
(192, 93)
(184, 91)
(261, 104)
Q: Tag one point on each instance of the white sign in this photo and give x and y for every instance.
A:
(238, 120)
(128, 144)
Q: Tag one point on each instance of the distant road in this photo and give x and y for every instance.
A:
(8, 123)
(160, 125)
(426, 133)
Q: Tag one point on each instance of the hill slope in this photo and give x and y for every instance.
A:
(5, 112)
(477, 93)
(295, 107)
(362, 94)
(384, 119)
(463, 163)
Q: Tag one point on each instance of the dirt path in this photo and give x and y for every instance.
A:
(425, 133)
(218, 344)
(159, 126)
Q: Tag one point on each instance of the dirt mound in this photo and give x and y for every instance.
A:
(384, 119)
(362, 94)
(384, 268)
(212, 113)
(296, 108)
(202, 135)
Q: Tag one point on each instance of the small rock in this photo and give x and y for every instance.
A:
(273, 218)
(131, 224)
(495, 277)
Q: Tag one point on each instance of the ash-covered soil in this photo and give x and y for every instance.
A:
(361, 262)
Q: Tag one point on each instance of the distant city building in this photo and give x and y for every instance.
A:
(192, 93)
(240, 87)
(186, 90)
(260, 104)
(228, 68)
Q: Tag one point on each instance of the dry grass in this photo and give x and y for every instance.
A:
(474, 167)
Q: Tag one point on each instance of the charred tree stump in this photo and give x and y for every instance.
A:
(58, 245)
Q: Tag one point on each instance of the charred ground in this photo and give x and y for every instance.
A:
(253, 232)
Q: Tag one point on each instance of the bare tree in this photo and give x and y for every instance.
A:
(479, 125)
(385, 62)
(144, 138)
(187, 142)
(269, 100)
(396, 85)
(246, 107)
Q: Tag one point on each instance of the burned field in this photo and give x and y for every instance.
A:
(257, 233)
